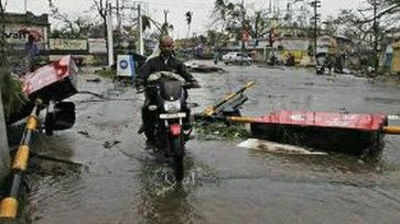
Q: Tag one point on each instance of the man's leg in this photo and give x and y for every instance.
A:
(149, 117)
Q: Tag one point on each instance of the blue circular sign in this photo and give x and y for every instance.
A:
(123, 64)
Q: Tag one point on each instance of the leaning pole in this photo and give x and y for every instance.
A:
(4, 149)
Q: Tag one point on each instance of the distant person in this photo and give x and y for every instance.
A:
(32, 52)
(290, 60)
(216, 57)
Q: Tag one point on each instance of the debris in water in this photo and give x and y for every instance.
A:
(96, 80)
(220, 130)
(85, 133)
(109, 145)
(274, 147)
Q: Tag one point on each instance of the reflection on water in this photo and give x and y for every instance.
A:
(162, 199)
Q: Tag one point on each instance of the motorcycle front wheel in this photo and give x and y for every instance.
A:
(177, 147)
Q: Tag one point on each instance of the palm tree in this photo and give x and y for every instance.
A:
(146, 22)
(189, 16)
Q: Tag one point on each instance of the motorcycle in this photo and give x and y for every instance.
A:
(169, 111)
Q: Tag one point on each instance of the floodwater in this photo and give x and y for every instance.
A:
(118, 181)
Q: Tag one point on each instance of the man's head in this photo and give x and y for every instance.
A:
(31, 38)
(167, 45)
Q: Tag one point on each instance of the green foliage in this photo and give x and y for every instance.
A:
(220, 130)
(11, 91)
(107, 73)
(11, 88)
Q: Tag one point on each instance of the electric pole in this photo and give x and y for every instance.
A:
(375, 28)
(243, 26)
(118, 18)
(316, 4)
(110, 36)
(141, 47)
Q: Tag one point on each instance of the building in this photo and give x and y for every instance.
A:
(16, 23)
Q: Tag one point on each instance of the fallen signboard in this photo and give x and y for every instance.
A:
(51, 84)
(350, 133)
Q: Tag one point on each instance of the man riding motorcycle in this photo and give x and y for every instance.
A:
(165, 61)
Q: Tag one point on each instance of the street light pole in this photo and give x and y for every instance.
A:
(141, 47)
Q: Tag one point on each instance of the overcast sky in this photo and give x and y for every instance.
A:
(201, 9)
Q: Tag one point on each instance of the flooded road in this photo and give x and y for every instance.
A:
(118, 181)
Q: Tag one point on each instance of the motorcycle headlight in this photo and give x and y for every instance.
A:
(172, 106)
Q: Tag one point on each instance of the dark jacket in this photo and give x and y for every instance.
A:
(161, 63)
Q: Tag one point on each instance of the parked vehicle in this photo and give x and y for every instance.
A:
(169, 113)
(236, 58)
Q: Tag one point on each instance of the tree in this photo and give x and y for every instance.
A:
(368, 26)
(73, 26)
(331, 25)
(74, 29)
(261, 26)
(10, 87)
(233, 18)
(102, 8)
(216, 39)
(189, 16)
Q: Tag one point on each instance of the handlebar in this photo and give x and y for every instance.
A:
(186, 85)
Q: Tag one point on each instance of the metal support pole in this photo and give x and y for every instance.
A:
(210, 110)
(391, 130)
(9, 205)
(315, 32)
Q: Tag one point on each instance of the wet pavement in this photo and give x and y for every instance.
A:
(118, 181)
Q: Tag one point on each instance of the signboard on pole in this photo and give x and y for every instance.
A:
(68, 44)
(97, 45)
(17, 39)
(125, 66)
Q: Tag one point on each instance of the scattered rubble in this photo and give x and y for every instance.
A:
(109, 145)
(202, 68)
